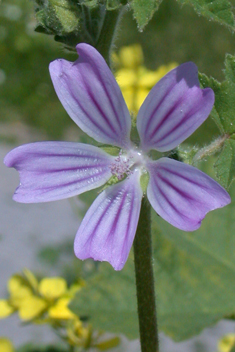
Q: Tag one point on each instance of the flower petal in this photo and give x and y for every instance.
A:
(91, 96)
(108, 229)
(174, 109)
(182, 194)
(56, 170)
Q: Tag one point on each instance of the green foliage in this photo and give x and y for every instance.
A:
(224, 116)
(194, 272)
(144, 10)
(113, 4)
(70, 21)
(225, 164)
(216, 10)
(194, 275)
(109, 300)
(31, 348)
(88, 3)
(58, 16)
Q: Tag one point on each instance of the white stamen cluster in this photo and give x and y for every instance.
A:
(121, 167)
(125, 164)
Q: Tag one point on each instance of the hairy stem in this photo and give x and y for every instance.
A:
(107, 33)
(210, 149)
(145, 281)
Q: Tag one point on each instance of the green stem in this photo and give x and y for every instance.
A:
(210, 149)
(107, 33)
(145, 281)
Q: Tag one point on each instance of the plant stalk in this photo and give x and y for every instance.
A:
(145, 281)
(107, 33)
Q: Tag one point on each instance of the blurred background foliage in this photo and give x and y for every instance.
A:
(26, 92)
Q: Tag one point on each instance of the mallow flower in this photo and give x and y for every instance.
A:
(172, 111)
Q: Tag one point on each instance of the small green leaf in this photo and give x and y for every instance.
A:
(113, 4)
(225, 164)
(216, 10)
(216, 86)
(230, 68)
(223, 112)
(58, 17)
(107, 344)
(144, 10)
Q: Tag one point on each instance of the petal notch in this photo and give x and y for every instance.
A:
(175, 107)
(91, 96)
(182, 194)
(57, 170)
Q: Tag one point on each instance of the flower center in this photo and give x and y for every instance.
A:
(126, 163)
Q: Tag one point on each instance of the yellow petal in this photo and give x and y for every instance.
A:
(131, 56)
(150, 78)
(126, 78)
(19, 289)
(226, 343)
(60, 310)
(6, 345)
(52, 287)
(140, 97)
(5, 309)
(128, 94)
(32, 307)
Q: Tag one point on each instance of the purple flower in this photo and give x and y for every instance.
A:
(179, 193)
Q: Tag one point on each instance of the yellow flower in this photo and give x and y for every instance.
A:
(32, 307)
(130, 56)
(5, 308)
(42, 301)
(52, 287)
(19, 289)
(227, 343)
(134, 79)
(60, 310)
(6, 345)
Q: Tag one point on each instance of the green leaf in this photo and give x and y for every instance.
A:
(215, 10)
(223, 114)
(216, 86)
(194, 271)
(109, 300)
(194, 275)
(224, 109)
(113, 4)
(225, 164)
(144, 10)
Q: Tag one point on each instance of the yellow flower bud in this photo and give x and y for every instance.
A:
(6, 345)
(227, 343)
